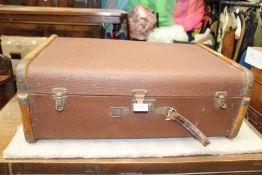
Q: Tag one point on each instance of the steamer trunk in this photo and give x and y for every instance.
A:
(72, 88)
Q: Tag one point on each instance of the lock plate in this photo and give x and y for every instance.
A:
(119, 111)
(60, 96)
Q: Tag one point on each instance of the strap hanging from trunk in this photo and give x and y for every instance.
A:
(173, 115)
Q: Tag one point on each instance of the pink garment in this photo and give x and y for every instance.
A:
(189, 13)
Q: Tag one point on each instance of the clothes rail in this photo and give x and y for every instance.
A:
(242, 4)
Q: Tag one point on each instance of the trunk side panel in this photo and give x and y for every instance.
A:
(89, 117)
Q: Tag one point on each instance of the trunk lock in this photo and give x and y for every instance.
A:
(60, 96)
(220, 100)
(139, 99)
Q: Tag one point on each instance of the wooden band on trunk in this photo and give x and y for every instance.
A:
(23, 88)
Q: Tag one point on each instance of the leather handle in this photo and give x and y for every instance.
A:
(173, 115)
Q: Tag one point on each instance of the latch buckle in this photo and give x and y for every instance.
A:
(220, 100)
(139, 95)
(139, 105)
(60, 96)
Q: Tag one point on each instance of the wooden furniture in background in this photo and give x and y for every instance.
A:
(66, 22)
(231, 164)
(17, 47)
(256, 100)
(7, 83)
(255, 109)
(254, 118)
(55, 3)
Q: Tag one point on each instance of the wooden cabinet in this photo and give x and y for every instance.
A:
(65, 30)
(47, 3)
(43, 18)
(65, 22)
(7, 83)
(56, 3)
(254, 114)
(256, 100)
(13, 2)
(85, 3)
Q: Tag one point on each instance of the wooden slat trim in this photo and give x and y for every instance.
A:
(22, 88)
(117, 166)
(16, 9)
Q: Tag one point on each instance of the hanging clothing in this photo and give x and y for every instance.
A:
(228, 43)
(207, 22)
(239, 41)
(258, 34)
(227, 22)
(251, 25)
(239, 27)
(189, 14)
(224, 19)
(164, 8)
(231, 32)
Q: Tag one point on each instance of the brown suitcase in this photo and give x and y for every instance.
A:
(76, 88)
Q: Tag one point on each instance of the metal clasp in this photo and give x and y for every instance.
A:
(220, 100)
(60, 96)
(169, 113)
(139, 95)
(139, 98)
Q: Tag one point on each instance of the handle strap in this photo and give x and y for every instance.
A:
(173, 115)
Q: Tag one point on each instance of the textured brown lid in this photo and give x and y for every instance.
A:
(110, 67)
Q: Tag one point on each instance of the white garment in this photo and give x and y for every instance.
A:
(168, 34)
(223, 24)
(201, 36)
(239, 28)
